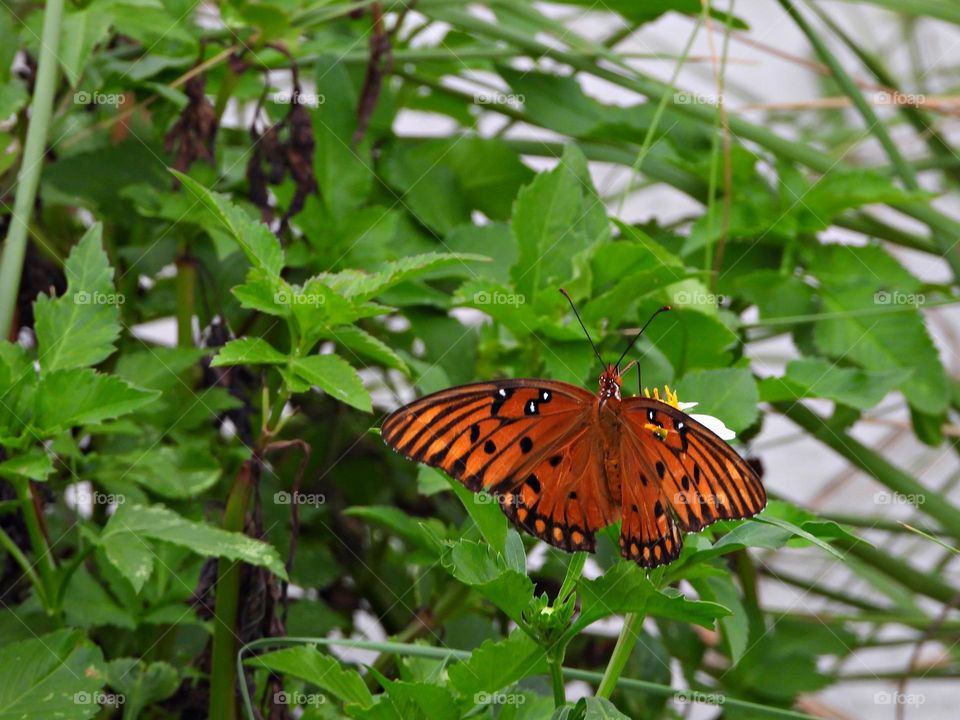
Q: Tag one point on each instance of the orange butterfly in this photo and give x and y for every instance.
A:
(564, 463)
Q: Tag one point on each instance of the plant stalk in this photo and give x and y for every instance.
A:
(629, 634)
(28, 179)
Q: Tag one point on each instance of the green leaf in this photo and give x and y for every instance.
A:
(485, 511)
(67, 398)
(80, 328)
(141, 684)
(625, 588)
(131, 556)
(363, 343)
(333, 375)
(555, 217)
(81, 30)
(317, 668)
(819, 378)
(155, 522)
(484, 569)
(52, 676)
(497, 664)
(175, 472)
(420, 700)
(87, 604)
(259, 244)
(361, 286)
(729, 394)
(248, 351)
(34, 464)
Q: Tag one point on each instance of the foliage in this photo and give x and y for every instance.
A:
(161, 495)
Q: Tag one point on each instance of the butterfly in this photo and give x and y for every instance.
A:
(563, 462)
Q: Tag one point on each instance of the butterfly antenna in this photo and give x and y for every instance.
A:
(574, 308)
(636, 337)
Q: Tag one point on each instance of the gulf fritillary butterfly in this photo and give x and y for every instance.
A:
(564, 463)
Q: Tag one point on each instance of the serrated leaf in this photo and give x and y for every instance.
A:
(625, 588)
(52, 676)
(155, 522)
(335, 376)
(80, 328)
(259, 244)
(363, 343)
(497, 664)
(248, 351)
(34, 464)
(820, 378)
(67, 398)
(360, 286)
(317, 668)
(132, 556)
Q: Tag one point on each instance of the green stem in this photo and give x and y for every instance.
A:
(447, 654)
(629, 634)
(15, 248)
(556, 681)
(186, 297)
(17, 554)
(871, 462)
(223, 678)
(41, 551)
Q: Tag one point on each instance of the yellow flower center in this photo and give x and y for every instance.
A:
(669, 396)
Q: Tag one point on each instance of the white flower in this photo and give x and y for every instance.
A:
(713, 424)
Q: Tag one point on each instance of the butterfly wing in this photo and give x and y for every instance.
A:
(649, 534)
(529, 442)
(700, 476)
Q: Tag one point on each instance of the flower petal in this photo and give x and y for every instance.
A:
(716, 425)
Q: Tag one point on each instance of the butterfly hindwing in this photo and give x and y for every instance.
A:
(702, 478)
(565, 499)
(649, 533)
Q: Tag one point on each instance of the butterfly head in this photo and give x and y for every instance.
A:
(610, 383)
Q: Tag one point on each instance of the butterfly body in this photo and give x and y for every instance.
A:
(564, 462)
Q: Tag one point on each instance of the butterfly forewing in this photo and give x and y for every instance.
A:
(701, 476)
